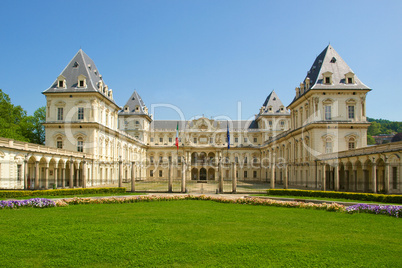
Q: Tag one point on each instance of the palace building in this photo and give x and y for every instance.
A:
(318, 141)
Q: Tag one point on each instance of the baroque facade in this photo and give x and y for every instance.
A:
(315, 142)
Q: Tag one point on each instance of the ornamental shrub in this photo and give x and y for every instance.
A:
(397, 199)
(76, 191)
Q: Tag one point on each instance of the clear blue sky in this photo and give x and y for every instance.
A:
(202, 56)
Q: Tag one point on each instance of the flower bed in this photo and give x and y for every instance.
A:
(249, 201)
(24, 193)
(385, 198)
(34, 202)
(394, 211)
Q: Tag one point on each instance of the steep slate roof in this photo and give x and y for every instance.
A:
(330, 61)
(133, 101)
(276, 104)
(81, 64)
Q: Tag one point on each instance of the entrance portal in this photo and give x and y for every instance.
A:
(203, 174)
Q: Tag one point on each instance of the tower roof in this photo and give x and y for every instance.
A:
(81, 66)
(135, 105)
(329, 61)
(273, 105)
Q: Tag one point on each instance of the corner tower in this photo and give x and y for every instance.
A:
(134, 118)
(329, 105)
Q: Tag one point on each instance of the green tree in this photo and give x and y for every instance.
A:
(370, 140)
(10, 119)
(32, 127)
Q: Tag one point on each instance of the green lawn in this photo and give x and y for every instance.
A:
(196, 233)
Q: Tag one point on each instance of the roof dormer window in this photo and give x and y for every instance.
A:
(137, 108)
(82, 81)
(61, 82)
(327, 78)
(350, 78)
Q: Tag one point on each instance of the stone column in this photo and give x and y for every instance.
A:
(234, 178)
(220, 185)
(285, 175)
(47, 177)
(120, 173)
(84, 174)
(386, 179)
(63, 178)
(133, 176)
(374, 177)
(272, 171)
(170, 178)
(56, 174)
(71, 174)
(336, 177)
(36, 184)
(183, 176)
(26, 174)
(324, 177)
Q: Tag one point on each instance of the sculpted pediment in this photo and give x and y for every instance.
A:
(203, 124)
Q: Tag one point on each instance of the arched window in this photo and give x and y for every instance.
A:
(59, 143)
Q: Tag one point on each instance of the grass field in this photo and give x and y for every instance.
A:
(196, 233)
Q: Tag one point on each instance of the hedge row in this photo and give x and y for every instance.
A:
(397, 199)
(57, 192)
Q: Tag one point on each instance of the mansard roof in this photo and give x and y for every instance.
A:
(133, 102)
(329, 61)
(81, 66)
(275, 104)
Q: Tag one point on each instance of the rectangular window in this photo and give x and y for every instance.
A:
(80, 146)
(152, 139)
(19, 172)
(351, 112)
(394, 178)
(328, 147)
(59, 145)
(327, 112)
(351, 145)
(160, 173)
(236, 159)
(350, 80)
(81, 83)
(80, 113)
(59, 113)
(254, 174)
(170, 139)
(179, 159)
(151, 159)
(282, 123)
(236, 139)
(270, 123)
(160, 140)
(151, 173)
(137, 122)
(255, 139)
(245, 160)
(245, 174)
(327, 80)
(245, 139)
(211, 140)
(61, 83)
(195, 140)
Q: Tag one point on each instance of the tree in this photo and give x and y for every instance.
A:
(32, 127)
(10, 119)
(370, 140)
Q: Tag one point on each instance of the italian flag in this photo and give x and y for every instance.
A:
(177, 136)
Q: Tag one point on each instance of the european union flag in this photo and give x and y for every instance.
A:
(228, 134)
